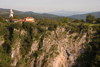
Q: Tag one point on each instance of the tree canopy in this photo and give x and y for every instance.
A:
(15, 17)
(1, 19)
(90, 18)
(65, 19)
(98, 20)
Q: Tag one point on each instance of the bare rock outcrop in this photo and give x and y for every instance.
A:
(60, 49)
(15, 53)
(68, 47)
(34, 47)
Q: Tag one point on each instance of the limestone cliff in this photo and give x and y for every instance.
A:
(67, 47)
(15, 50)
(15, 53)
(59, 49)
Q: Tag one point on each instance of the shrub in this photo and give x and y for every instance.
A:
(15, 36)
(37, 36)
(53, 47)
(41, 29)
(51, 27)
(76, 37)
(67, 28)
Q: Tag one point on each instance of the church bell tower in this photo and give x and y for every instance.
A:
(11, 13)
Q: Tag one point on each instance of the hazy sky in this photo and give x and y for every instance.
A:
(51, 5)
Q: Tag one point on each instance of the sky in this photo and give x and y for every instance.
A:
(51, 5)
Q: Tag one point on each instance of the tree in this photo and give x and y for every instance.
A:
(77, 20)
(51, 27)
(98, 20)
(11, 19)
(18, 25)
(15, 17)
(90, 18)
(41, 22)
(47, 22)
(1, 19)
(65, 20)
(81, 20)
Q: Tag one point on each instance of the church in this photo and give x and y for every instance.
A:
(10, 13)
(27, 19)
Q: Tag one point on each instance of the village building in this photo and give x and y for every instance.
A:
(28, 19)
(5, 20)
(21, 20)
(14, 20)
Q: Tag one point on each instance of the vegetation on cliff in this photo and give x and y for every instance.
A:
(91, 56)
(29, 32)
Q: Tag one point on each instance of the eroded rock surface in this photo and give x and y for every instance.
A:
(60, 49)
(15, 53)
(69, 48)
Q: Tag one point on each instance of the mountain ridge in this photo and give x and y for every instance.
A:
(66, 13)
(83, 16)
(62, 13)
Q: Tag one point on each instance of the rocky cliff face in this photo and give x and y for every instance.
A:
(15, 50)
(59, 49)
(67, 50)
(15, 53)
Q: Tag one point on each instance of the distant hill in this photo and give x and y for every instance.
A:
(5, 13)
(75, 14)
(67, 13)
(83, 16)
(51, 15)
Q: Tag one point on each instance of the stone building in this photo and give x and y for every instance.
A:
(29, 19)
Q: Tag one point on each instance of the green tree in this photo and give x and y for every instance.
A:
(98, 20)
(47, 22)
(1, 19)
(18, 25)
(15, 17)
(76, 20)
(90, 18)
(10, 19)
(65, 20)
(81, 20)
(51, 27)
(41, 22)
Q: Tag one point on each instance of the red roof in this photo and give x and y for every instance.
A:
(14, 19)
(5, 19)
(29, 17)
(21, 20)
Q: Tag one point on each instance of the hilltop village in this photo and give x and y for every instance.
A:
(11, 19)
